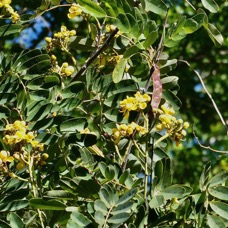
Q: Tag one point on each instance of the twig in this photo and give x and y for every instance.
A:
(95, 55)
(208, 147)
(209, 95)
(191, 5)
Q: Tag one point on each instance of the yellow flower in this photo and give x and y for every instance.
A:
(142, 98)
(4, 3)
(5, 156)
(48, 39)
(75, 10)
(69, 70)
(15, 17)
(110, 28)
(20, 125)
(186, 125)
(167, 110)
(127, 105)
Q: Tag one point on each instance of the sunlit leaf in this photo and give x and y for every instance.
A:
(156, 201)
(210, 5)
(220, 192)
(101, 207)
(118, 218)
(79, 219)
(218, 179)
(156, 6)
(220, 208)
(91, 8)
(118, 72)
(214, 221)
(214, 34)
(14, 205)
(9, 29)
(15, 220)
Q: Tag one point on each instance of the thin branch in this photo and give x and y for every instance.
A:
(209, 95)
(95, 55)
(208, 147)
(191, 5)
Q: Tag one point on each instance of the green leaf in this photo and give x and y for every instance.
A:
(169, 82)
(118, 71)
(127, 196)
(204, 177)
(174, 191)
(99, 218)
(100, 206)
(214, 34)
(81, 43)
(156, 201)
(53, 205)
(124, 207)
(178, 27)
(15, 220)
(105, 197)
(102, 166)
(3, 224)
(91, 8)
(58, 194)
(220, 208)
(220, 192)
(109, 172)
(14, 205)
(167, 66)
(133, 50)
(190, 26)
(150, 39)
(123, 23)
(214, 221)
(73, 125)
(79, 219)
(156, 6)
(9, 29)
(210, 5)
(124, 176)
(119, 218)
(55, 2)
(39, 112)
(51, 80)
(219, 178)
(172, 99)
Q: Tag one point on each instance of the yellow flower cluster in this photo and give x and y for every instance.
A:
(17, 132)
(125, 130)
(174, 128)
(75, 10)
(19, 138)
(110, 28)
(6, 5)
(61, 38)
(65, 70)
(136, 103)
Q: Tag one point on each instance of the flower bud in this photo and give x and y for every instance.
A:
(186, 125)
(48, 39)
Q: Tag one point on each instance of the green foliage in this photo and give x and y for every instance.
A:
(85, 97)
